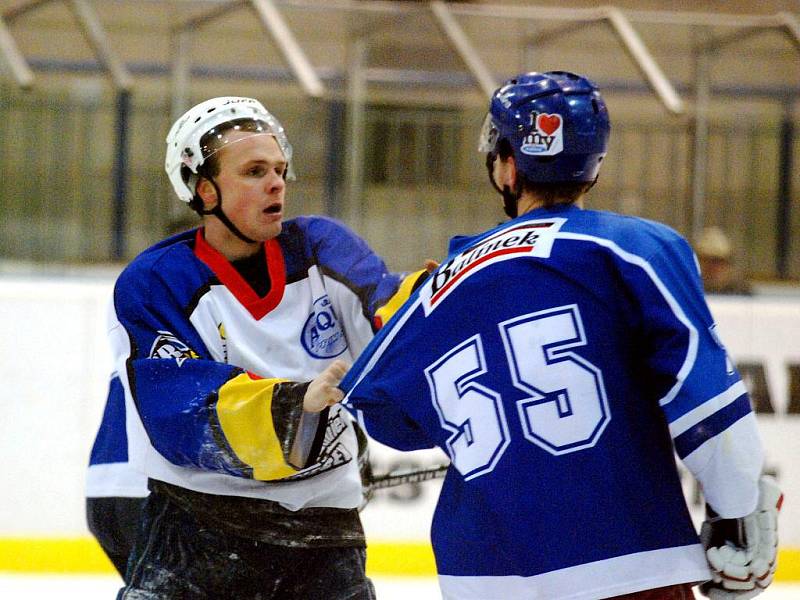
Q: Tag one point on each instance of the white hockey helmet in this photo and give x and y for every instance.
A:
(183, 139)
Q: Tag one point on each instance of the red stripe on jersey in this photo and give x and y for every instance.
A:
(231, 279)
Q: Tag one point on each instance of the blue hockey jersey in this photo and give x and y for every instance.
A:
(561, 360)
(206, 364)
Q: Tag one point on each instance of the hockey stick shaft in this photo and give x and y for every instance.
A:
(396, 478)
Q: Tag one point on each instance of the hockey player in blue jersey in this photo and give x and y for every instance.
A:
(229, 341)
(561, 360)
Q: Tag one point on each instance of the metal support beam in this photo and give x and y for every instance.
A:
(558, 33)
(120, 174)
(644, 60)
(459, 40)
(198, 21)
(734, 37)
(632, 43)
(540, 13)
(784, 22)
(700, 139)
(92, 30)
(180, 72)
(335, 140)
(98, 40)
(14, 59)
(791, 25)
(15, 12)
(275, 24)
(783, 241)
(356, 128)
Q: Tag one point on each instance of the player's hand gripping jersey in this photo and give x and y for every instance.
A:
(209, 367)
(560, 359)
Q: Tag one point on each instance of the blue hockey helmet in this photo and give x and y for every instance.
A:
(556, 123)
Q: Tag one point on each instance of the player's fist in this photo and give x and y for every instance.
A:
(322, 391)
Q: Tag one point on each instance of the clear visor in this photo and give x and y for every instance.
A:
(489, 134)
(212, 142)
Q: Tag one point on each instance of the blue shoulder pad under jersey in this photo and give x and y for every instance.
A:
(347, 258)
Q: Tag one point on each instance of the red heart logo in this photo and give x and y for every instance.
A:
(548, 123)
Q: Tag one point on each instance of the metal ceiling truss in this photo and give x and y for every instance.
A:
(446, 16)
(274, 25)
(13, 58)
(782, 22)
(92, 30)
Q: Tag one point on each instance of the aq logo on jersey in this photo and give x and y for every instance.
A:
(322, 335)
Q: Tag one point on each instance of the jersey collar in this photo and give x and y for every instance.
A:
(257, 306)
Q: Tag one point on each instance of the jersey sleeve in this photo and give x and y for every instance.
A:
(700, 392)
(196, 412)
(379, 390)
(386, 422)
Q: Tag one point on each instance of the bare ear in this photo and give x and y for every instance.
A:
(507, 175)
(207, 192)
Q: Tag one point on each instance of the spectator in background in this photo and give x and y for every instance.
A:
(714, 252)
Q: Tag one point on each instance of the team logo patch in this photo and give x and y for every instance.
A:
(322, 336)
(533, 238)
(166, 345)
(546, 137)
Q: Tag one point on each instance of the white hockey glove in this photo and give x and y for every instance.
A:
(742, 553)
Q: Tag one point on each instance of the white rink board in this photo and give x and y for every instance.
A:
(55, 367)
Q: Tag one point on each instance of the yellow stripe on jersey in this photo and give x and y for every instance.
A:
(407, 286)
(244, 410)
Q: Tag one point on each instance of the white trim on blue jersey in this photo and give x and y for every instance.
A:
(612, 577)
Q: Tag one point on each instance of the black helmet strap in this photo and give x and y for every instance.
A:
(217, 212)
(510, 197)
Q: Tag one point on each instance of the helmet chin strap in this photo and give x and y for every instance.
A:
(510, 202)
(217, 212)
(510, 197)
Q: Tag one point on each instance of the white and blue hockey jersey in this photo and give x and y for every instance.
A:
(207, 366)
(561, 360)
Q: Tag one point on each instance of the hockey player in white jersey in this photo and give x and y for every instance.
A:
(229, 341)
(561, 360)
